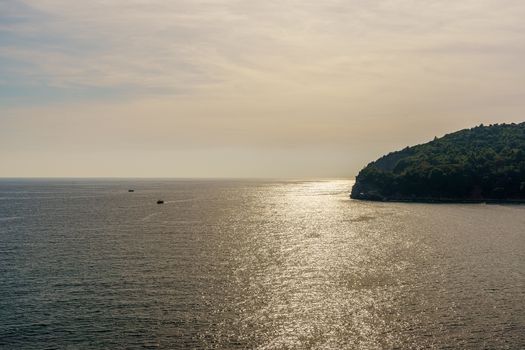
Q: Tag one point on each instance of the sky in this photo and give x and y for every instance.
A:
(229, 88)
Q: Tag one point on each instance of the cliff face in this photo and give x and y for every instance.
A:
(485, 163)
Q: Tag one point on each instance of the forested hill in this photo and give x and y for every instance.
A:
(485, 163)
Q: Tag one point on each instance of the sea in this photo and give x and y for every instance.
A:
(253, 264)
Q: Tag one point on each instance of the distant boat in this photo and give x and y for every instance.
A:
(131, 190)
(160, 201)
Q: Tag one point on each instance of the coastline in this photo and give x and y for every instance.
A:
(443, 200)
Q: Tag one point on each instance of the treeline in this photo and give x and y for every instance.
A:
(485, 162)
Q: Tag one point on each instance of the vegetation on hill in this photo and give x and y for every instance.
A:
(478, 164)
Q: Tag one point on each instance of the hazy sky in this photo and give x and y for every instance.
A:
(226, 88)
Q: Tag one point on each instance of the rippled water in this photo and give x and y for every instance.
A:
(263, 265)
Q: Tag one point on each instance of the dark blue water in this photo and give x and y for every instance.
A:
(84, 264)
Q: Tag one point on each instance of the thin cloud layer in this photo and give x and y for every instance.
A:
(348, 77)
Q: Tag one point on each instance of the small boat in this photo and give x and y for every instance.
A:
(131, 190)
(160, 201)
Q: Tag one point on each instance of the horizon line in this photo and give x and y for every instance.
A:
(170, 178)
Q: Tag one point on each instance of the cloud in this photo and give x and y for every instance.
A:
(191, 44)
(360, 76)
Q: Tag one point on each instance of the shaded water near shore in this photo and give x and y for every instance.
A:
(253, 264)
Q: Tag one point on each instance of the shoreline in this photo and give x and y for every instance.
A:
(443, 200)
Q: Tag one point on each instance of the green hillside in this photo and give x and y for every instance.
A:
(478, 164)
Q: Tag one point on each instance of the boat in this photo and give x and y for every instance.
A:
(160, 201)
(131, 190)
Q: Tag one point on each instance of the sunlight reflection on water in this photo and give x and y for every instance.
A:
(247, 264)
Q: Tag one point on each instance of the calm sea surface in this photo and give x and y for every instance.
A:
(253, 265)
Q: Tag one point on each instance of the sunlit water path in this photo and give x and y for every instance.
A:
(253, 264)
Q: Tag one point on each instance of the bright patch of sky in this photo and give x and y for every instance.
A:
(323, 86)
